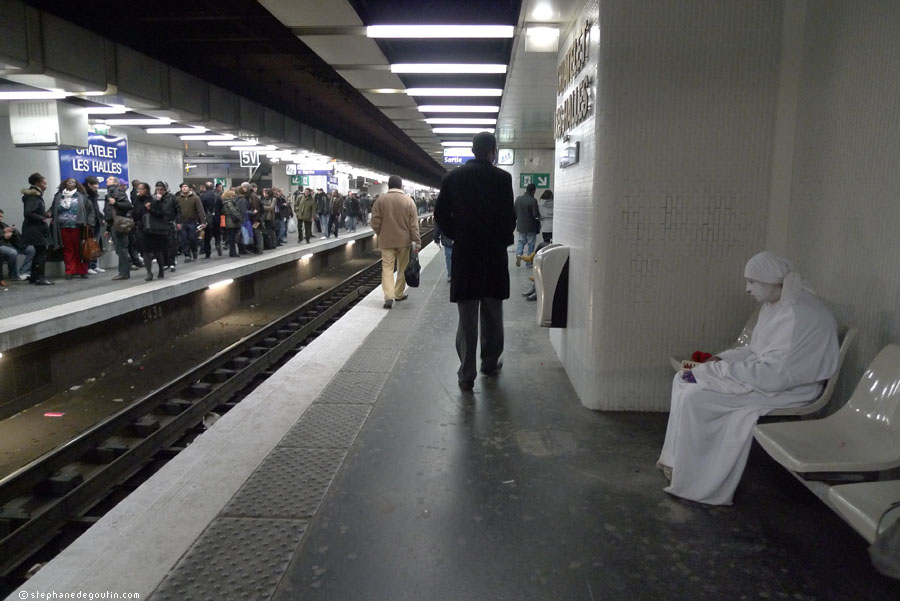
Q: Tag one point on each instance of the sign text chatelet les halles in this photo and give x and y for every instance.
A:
(577, 106)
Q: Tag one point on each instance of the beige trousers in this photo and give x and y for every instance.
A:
(389, 257)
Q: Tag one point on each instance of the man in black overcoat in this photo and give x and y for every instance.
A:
(475, 209)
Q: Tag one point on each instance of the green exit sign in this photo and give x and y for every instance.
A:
(540, 180)
(300, 180)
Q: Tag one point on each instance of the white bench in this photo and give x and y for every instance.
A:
(846, 334)
(862, 436)
(863, 504)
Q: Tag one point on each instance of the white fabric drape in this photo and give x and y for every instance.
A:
(792, 350)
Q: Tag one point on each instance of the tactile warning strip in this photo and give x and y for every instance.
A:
(372, 360)
(233, 559)
(353, 387)
(327, 426)
(290, 483)
(395, 339)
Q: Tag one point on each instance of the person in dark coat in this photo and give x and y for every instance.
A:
(91, 189)
(118, 205)
(35, 227)
(150, 218)
(475, 210)
(212, 206)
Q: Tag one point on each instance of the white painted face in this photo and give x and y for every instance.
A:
(763, 292)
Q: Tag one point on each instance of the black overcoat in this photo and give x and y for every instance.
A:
(35, 230)
(475, 209)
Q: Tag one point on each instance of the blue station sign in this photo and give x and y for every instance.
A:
(104, 156)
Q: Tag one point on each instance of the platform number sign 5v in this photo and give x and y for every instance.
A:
(249, 158)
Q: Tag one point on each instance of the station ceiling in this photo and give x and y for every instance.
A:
(254, 49)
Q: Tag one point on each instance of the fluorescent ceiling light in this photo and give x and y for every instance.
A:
(115, 109)
(386, 91)
(446, 68)
(542, 12)
(208, 137)
(239, 146)
(457, 108)
(454, 91)
(440, 31)
(460, 121)
(33, 95)
(176, 130)
(462, 130)
(232, 143)
(541, 39)
(457, 151)
(161, 121)
(456, 143)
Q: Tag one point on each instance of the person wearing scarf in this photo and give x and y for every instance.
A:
(792, 351)
(71, 213)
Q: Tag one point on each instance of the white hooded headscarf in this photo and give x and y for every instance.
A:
(770, 268)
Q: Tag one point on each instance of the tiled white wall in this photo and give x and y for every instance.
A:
(531, 160)
(670, 197)
(845, 204)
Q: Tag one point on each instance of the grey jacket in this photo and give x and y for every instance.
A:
(527, 213)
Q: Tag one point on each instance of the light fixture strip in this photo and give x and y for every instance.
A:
(207, 137)
(33, 95)
(440, 31)
(176, 130)
(447, 68)
(457, 108)
(231, 143)
(160, 121)
(457, 143)
(460, 121)
(462, 130)
(454, 91)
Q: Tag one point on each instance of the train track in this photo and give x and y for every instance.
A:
(67, 488)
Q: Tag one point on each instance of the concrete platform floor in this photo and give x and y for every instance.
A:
(517, 492)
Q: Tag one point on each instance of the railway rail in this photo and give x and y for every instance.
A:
(68, 488)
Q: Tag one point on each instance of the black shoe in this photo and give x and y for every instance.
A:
(466, 384)
(68, 276)
(529, 293)
(219, 250)
(83, 276)
(172, 268)
(402, 298)
(149, 277)
(388, 304)
(161, 274)
(493, 372)
(531, 297)
(195, 256)
(43, 282)
(122, 277)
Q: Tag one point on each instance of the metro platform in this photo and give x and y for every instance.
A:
(360, 471)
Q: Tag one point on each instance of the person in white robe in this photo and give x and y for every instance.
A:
(792, 351)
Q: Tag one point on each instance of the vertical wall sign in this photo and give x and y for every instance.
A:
(576, 107)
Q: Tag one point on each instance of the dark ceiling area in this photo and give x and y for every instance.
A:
(239, 46)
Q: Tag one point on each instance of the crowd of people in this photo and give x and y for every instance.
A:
(149, 225)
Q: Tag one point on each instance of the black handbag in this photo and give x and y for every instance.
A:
(412, 271)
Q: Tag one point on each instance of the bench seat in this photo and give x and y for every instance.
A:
(863, 504)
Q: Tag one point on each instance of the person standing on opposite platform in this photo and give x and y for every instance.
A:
(792, 350)
(35, 227)
(305, 210)
(395, 221)
(475, 209)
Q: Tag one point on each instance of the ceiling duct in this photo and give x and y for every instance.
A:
(48, 124)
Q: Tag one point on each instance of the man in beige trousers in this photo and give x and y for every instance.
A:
(395, 221)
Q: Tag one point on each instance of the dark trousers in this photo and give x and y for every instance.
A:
(489, 312)
(37, 265)
(189, 238)
(212, 231)
(231, 236)
(305, 226)
(334, 221)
